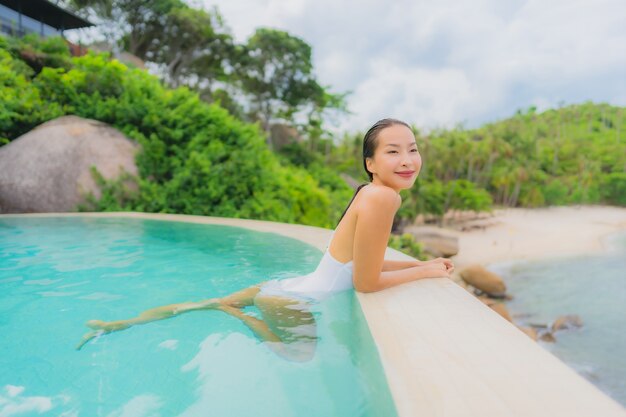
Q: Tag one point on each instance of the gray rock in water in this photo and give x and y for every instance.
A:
(566, 322)
(49, 168)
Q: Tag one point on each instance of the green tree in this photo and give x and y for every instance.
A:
(276, 71)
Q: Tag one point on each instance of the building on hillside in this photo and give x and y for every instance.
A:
(20, 17)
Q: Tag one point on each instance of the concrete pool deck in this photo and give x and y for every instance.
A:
(443, 351)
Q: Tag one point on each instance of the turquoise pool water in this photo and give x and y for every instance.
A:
(57, 273)
(591, 286)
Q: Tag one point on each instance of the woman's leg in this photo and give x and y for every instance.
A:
(242, 298)
(285, 321)
(238, 299)
(291, 321)
(158, 313)
(258, 327)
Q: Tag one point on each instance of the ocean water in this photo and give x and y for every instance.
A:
(57, 273)
(594, 288)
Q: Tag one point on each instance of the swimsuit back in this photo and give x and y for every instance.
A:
(329, 276)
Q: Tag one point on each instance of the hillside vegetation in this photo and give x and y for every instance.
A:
(199, 158)
(572, 155)
(196, 158)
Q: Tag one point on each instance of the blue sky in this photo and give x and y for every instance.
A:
(440, 63)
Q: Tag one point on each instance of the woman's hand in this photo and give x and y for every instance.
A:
(435, 270)
(449, 266)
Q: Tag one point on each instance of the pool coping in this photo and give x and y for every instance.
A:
(444, 352)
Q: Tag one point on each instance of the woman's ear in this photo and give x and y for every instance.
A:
(369, 162)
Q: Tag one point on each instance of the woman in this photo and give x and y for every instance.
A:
(353, 259)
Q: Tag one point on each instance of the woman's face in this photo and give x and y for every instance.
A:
(396, 153)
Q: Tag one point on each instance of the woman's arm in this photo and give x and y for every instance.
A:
(389, 265)
(373, 226)
(374, 219)
(392, 278)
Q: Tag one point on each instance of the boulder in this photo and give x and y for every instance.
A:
(547, 337)
(436, 240)
(124, 57)
(282, 134)
(501, 309)
(530, 332)
(484, 280)
(456, 278)
(486, 300)
(49, 168)
(566, 322)
(352, 183)
(497, 306)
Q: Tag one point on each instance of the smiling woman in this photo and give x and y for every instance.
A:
(398, 155)
(354, 257)
(283, 313)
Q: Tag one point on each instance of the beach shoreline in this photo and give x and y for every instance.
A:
(526, 234)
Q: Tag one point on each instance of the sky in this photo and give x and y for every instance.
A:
(444, 63)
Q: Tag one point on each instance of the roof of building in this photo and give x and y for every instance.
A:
(48, 13)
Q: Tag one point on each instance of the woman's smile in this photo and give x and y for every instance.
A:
(406, 174)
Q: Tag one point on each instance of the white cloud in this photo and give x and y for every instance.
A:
(451, 61)
(418, 95)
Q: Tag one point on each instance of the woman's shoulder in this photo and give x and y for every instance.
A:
(380, 195)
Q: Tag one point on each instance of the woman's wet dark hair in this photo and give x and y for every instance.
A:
(370, 142)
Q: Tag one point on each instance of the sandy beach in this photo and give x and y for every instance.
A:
(528, 234)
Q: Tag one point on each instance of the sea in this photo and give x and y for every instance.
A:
(592, 286)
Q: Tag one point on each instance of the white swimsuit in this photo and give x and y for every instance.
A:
(329, 276)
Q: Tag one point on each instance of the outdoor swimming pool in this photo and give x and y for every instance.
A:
(58, 272)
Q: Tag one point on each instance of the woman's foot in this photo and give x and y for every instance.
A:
(87, 337)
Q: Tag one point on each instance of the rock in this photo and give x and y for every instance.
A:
(436, 240)
(547, 337)
(566, 322)
(282, 134)
(130, 60)
(49, 168)
(478, 293)
(486, 300)
(496, 306)
(124, 57)
(530, 332)
(456, 278)
(501, 309)
(482, 279)
(352, 183)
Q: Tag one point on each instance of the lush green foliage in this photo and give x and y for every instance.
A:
(196, 158)
(21, 105)
(571, 155)
(562, 156)
(406, 243)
